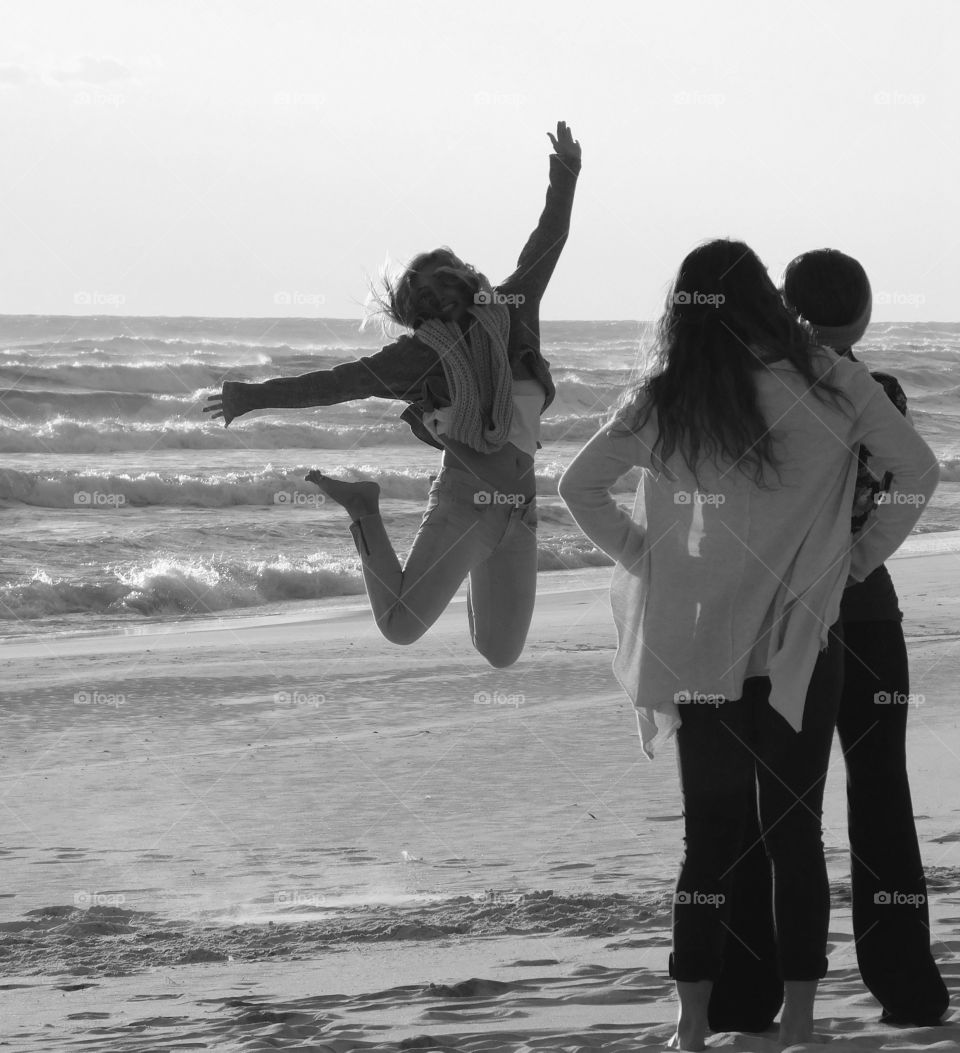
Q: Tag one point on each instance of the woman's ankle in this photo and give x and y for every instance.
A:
(796, 1020)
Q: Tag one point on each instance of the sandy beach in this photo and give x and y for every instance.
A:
(285, 833)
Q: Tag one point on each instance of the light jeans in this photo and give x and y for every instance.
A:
(469, 528)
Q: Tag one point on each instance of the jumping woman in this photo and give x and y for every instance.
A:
(476, 384)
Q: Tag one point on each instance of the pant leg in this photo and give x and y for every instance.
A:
(891, 921)
(791, 775)
(748, 993)
(454, 536)
(503, 590)
(716, 774)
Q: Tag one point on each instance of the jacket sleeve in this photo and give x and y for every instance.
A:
(542, 250)
(897, 448)
(586, 484)
(396, 372)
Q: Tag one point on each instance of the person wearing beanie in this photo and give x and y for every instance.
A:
(830, 291)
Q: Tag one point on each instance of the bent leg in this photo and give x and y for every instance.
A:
(452, 539)
(503, 590)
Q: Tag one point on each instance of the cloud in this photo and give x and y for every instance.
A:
(13, 74)
(88, 69)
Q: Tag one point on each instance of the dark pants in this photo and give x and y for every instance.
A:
(891, 919)
(890, 914)
(730, 756)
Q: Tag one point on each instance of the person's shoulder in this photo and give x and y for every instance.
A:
(892, 387)
(633, 423)
(845, 373)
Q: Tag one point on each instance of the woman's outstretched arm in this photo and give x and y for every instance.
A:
(542, 250)
(396, 372)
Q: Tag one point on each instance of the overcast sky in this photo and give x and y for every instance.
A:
(263, 157)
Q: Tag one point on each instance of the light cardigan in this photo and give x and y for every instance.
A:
(723, 580)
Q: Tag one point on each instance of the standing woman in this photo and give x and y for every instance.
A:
(476, 384)
(728, 579)
(831, 292)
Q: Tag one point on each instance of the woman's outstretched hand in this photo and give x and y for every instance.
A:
(227, 404)
(564, 144)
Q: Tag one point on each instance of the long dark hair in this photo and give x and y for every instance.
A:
(408, 303)
(724, 321)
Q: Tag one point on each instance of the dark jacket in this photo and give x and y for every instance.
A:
(412, 372)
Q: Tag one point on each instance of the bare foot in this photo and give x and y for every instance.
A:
(693, 1043)
(359, 499)
(796, 1020)
(691, 1030)
(799, 1036)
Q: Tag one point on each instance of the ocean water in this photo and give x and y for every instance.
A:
(123, 504)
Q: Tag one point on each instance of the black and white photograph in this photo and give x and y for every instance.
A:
(479, 526)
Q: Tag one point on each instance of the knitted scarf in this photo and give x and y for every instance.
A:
(477, 370)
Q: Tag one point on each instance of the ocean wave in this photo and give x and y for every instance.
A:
(145, 378)
(950, 470)
(259, 349)
(67, 435)
(159, 375)
(95, 491)
(168, 585)
(103, 490)
(88, 406)
(171, 585)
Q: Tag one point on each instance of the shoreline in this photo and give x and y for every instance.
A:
(549, 583)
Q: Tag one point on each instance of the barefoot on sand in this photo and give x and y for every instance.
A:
(359, 499)
(685, 1046)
